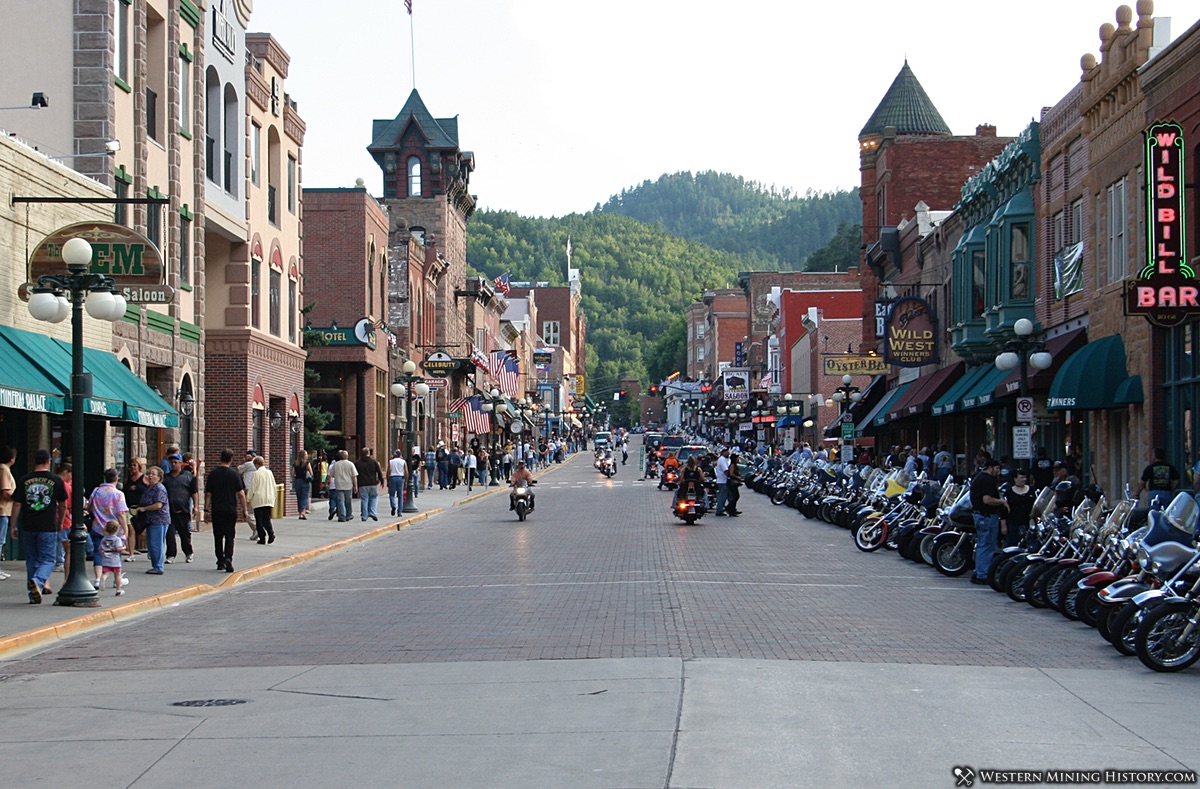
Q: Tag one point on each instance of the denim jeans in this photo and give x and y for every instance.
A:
(986, 529)
(4, 524)
(39, 554)
(345, 507)
(1161, 498)
(483, 475)
(303, 493)
(368, 497)
(414, 484)
(396, 493)
(722, 495)
(156, 544)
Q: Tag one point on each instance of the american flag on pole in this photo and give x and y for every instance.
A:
(502, 284)
(473, 417)
(506, 372)
(408, 5)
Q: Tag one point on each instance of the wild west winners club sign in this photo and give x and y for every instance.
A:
(910, 333)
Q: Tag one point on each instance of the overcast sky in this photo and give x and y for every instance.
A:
(567, 102)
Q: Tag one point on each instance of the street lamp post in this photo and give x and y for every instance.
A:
(47, 302)
(845, 395)
(409, 386)
(494, 404)
(1023, 352)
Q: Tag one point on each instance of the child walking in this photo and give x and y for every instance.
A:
(112, 544)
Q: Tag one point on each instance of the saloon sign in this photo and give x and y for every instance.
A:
(911, 333)
(127, 256)
(1166, 290)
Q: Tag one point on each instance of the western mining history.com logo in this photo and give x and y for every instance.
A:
(969, 776)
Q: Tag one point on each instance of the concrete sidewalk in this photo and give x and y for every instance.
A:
(25, 626)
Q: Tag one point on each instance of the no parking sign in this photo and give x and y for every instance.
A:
(1024, 409)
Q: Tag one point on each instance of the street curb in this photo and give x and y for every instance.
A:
(41, 636)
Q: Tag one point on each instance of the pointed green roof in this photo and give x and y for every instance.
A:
(439, 132)
(907, 107)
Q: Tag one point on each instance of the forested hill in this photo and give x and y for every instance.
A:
(650, 252)
(767, 228)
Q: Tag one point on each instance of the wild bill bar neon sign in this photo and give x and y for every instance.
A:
(1166, 290)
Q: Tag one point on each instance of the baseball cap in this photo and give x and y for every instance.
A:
(176, 456)
(250, 453)
(41, 456)
(992, 462)
(1059, 464)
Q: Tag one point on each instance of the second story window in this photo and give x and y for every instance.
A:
(121, 13)
(550, 332)
(1118, 261)
(291, 184)
(256, 293)
(273, 295)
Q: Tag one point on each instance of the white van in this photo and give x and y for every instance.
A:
(603, 440)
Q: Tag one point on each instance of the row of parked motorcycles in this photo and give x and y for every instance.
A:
(1130, 572)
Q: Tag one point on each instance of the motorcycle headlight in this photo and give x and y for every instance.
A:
(521, 491)
(1143, 555)
(1154, 567)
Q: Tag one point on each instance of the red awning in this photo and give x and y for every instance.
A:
(1060, 348)
(927, 389)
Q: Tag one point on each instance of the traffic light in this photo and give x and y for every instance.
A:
(653, 390)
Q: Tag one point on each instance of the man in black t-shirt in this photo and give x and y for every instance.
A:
(225, 497)
(39, 507)
(988, 505)
(1161, 478)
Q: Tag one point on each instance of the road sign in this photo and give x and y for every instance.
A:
(847, 431)
(437, 383)
(1022, 442)
(454, 414)
(1024, 409)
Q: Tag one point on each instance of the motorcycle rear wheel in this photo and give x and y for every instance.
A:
(779, 496)
(1035, 586)
(1157, 637)
(1124, 627)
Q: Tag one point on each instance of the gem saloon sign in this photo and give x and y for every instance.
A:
(1166, 289)
(910, 339)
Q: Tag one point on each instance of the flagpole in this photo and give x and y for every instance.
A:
(412, 43)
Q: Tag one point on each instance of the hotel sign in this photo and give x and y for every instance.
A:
(855, 365)
(1166, 289)
(911, 333)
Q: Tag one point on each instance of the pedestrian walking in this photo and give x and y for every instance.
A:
(370, 477)
(184, 496)
(155, 507)
(108, 556)
(397, 476)
(39, 507)
(8, 486)
(262, 500)
(430, 468)
(224, 497)
(135, 485)
(415, 467)
(108, 505)
(470, 468)
(247, 470)
(344, 474)
(1019, 496)
(302, 481)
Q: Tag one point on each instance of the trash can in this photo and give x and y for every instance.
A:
(277, 511)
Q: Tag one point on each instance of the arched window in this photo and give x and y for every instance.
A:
(414, 176)
(229, 154)
(212, 119)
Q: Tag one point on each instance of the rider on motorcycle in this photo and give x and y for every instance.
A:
(669, 463)
(520, 474)
(691, 474)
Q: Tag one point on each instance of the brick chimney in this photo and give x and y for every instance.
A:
(985, 130)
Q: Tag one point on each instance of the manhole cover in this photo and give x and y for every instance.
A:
(209, 702)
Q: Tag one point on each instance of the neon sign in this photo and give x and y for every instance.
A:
(1166, 290)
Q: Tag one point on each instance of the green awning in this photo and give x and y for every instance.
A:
(1095, 378)
(878, 417)
(25, 387)
(949, 402)
(984, 391)
(116, 392)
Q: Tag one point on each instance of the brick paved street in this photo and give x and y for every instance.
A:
(600, 570)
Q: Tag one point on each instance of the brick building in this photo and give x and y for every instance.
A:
(346, 250)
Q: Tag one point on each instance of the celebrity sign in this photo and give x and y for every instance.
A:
(1166, 290)
(911, 333)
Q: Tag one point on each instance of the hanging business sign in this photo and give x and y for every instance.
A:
(881, 313)
(736, 385)
(1166, 289)
(855, 365)
(117, 251)
(440, 363)
(911, 333)
(739, 358)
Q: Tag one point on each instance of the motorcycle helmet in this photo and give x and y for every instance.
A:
(1093, 491)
